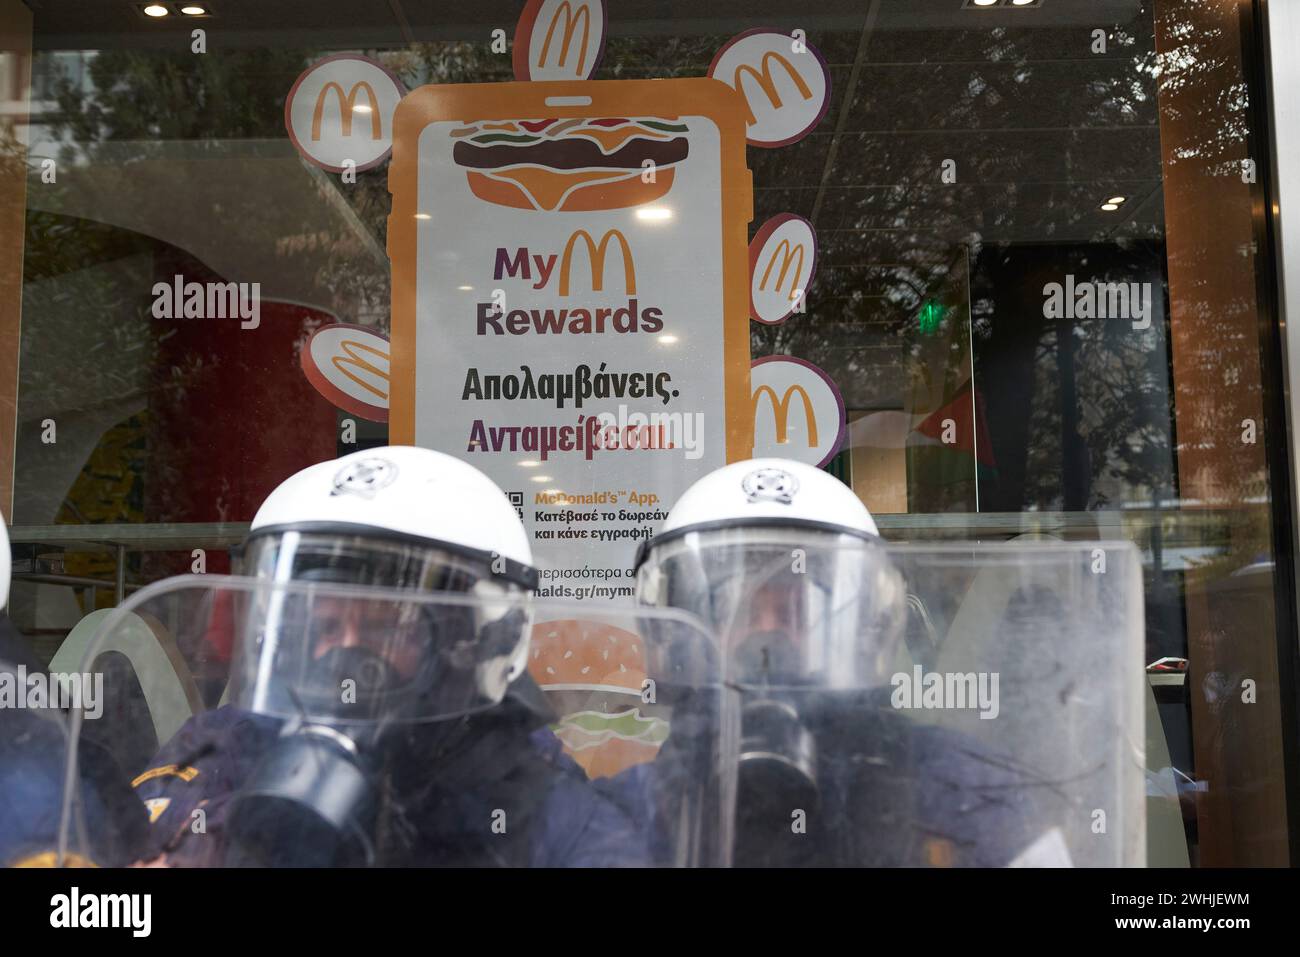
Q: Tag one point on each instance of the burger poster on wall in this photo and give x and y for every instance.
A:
(571, 303)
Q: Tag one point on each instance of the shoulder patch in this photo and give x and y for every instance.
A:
(186, 774)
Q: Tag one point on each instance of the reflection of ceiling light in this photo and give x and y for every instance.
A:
(423, 216)
(541, 478)
(1117, 199)
(654, 214)
(361, 108)
(1110, 207)
(529, 464)
(156, 10)
(668, 340)
(465, 288)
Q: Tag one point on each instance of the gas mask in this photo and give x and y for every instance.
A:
(369, 682)
(803, 615)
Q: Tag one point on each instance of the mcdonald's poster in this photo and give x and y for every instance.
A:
(572, 286)
(348, 365)
(559, 39)
(570, 311)
(339, 113)
(784, 80)
(782, 262)
(798, 411)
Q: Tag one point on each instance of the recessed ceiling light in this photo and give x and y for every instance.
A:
(155, 10)
(194, 10)
(1117, 199)
(1110, 207)
(984, 3)
(1021, 3)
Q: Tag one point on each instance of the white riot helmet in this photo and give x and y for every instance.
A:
(6, 564)
(388, 518)
(785, 563)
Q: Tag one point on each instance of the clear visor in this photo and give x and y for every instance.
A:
(655, 727)
(791, 606)
(332, 648)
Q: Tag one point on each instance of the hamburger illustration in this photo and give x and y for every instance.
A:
(593, 675)
(573, 165)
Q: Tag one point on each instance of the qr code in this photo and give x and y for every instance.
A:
(517, 500)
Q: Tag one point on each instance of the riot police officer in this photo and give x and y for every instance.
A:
(786, 564)
(380, 711)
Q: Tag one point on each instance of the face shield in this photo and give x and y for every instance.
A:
(793, 606)
(332, 649)
(804, 615)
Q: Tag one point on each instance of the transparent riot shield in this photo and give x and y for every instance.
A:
(338, 725)
(1044, 644)
(973, 705)
(35, 774)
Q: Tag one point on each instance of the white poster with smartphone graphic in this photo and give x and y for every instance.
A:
(569, 324)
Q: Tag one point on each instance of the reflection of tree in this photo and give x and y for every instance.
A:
(1039, 129)
(160, 127)
(84, 320)
(1215, 282)
(1086, 400)
(135, 101)
(1201, 82)
(138, 102)
(1213, 268)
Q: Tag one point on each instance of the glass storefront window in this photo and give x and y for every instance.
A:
(1044, 291)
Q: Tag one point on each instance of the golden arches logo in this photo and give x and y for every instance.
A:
(781, 411)
(347, 105)
(351, 348)
(788, 251)
(570, 28)
(596, 253)
(767, 82)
